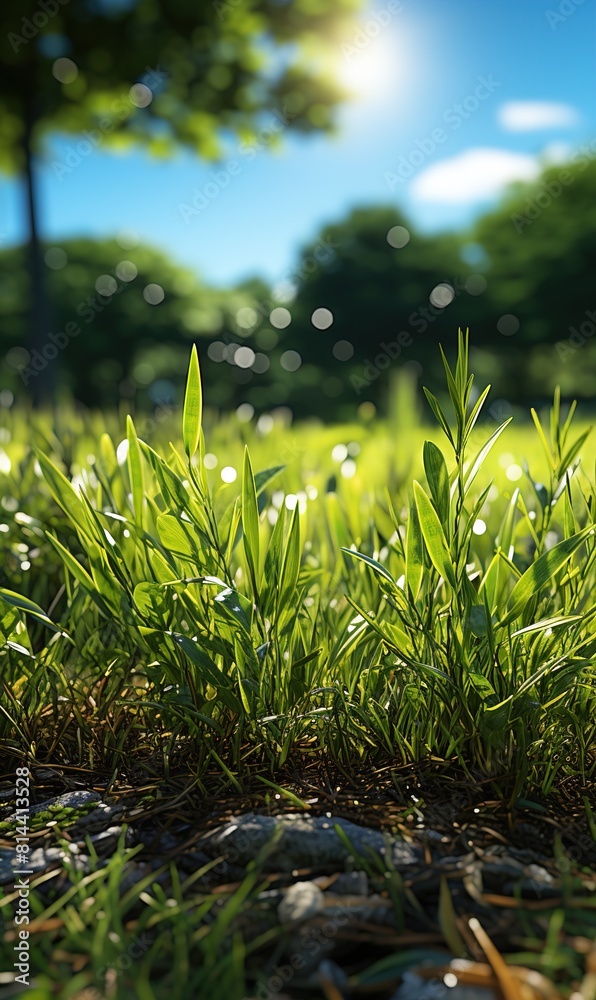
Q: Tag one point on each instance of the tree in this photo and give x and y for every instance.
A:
(364, 307)
(538, 254)
(123, 322)
(158, 72)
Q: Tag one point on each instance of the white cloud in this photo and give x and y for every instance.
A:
(527, 116)
(475, 175)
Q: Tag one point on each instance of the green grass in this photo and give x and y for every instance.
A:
(357, 593)
(349, 619)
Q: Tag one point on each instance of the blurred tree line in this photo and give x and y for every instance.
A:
(366, 298)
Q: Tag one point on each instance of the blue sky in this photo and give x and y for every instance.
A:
(521, 72)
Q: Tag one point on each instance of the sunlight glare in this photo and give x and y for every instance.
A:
(369, 72)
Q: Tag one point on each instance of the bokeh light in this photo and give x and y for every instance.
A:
(322, 318)
(65, 70)
(153, 294)
(442, 295)
(55, 258)
(398, 237)
(280, 317)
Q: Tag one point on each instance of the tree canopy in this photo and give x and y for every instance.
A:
(160, 71)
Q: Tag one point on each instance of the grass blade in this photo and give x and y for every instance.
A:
(542, 572)
(434, 537)
(193, 406)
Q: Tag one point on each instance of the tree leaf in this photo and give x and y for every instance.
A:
(481, 455)
(209, 671)
(230, 601)
(64, 493)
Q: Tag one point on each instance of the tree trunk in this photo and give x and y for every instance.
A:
(38, 320)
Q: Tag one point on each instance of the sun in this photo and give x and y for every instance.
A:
(368, 70)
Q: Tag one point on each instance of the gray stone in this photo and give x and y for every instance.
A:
(70, 800)
(536, 881)
(350, 884)
(38, 861)
(301, 901)
(191, 860)
(106, 841)
(353, 909)
(100, 818)
(303, 841)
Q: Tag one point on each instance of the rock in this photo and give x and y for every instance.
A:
(70, 800)
(307, 947)
(134, 871)
(500, 869)
(525, 854)
(100, 818)
(303, 841)
(537, 882)
(301, 901)
(38, 860)
(106, 841)
(350, 884)
(345, 910)
(191, 860)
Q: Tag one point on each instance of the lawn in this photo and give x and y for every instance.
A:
(390, 622)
